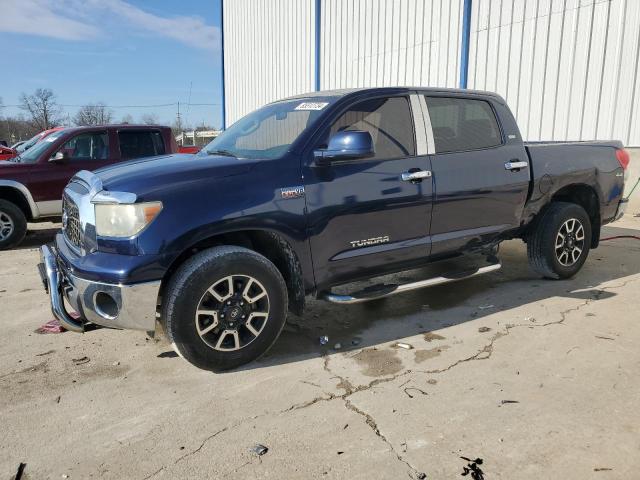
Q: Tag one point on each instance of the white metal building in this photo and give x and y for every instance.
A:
(568, 68)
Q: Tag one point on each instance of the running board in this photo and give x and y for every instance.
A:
(382, 291)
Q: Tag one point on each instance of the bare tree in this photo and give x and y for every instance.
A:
(13, 129)
(42, 108)
(93, 114)
(127, 119)
(149, 118)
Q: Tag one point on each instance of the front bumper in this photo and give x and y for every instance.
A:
(110, 305)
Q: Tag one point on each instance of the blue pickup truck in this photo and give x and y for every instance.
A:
(313, 192)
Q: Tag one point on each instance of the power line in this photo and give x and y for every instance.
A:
(129, 106)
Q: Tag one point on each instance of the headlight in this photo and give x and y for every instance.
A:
(118, 220)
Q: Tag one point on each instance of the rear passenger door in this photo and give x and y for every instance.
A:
(134, 143)
(477, 194)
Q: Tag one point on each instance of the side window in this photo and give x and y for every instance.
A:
(389, 122)
(461, 124)
(140, 143)
(87, 146)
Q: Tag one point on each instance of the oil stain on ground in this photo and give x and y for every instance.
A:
(377, 363)
(430, 336)
(423, 355)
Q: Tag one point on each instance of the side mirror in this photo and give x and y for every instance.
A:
(346, 145)
(58, 157)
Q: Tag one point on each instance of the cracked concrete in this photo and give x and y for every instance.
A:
(541, 382)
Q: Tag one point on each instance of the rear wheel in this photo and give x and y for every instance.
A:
(13, 225)
(560, 241)
(224, 307)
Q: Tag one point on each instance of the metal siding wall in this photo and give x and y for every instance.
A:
(269, 52)
(368, 43)
(567, 68)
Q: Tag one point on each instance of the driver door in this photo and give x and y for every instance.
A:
(88, 150)
(363, 217)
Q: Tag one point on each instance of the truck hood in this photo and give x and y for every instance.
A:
(147, 176)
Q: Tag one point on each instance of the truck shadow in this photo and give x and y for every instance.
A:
(42, 234)
(415, 313)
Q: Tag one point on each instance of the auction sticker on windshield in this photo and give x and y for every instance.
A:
(312, 106)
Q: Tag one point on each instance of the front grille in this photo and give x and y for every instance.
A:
(71, 222)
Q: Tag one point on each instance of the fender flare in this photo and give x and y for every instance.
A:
(35, 213)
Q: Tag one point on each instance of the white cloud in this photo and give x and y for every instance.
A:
(189, 30)
(40, 17)
(84, 19)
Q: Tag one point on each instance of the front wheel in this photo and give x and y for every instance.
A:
(559, 244)
(224, 307)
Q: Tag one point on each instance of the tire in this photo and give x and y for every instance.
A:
(564, 224)
(202, 285)
(13, 225)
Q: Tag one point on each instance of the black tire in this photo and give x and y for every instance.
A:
(13, 225)
(189, 290)
(544, 257)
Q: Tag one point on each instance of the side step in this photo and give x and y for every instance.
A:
(382, 291)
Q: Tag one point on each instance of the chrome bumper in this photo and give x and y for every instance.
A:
(110, 305)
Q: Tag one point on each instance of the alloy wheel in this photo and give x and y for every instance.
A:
(6, 226)
(232, 313)
(570, 242)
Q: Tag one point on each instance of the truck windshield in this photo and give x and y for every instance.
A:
(32, 155)
(268, 132)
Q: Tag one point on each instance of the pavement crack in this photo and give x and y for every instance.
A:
(371, 422)
(203, 443)
(300, 406)
(485, 352)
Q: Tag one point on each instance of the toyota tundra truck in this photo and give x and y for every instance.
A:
(314, 192)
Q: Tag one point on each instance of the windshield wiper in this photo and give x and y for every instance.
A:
(224, 153)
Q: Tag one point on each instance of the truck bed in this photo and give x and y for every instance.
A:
(556, 165)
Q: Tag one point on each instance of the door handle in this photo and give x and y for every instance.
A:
(515, 165)
(415, 176)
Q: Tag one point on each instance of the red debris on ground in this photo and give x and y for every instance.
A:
(52, 326)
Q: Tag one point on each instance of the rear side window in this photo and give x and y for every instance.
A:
(461, 124)
(389, 122)
(140, 143)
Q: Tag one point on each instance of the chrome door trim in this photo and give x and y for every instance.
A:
(422, 146)
(431, 144)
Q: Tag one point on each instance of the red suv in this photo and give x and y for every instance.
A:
(31, 183)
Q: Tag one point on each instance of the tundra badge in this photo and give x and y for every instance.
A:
(370, 241)
(292, 192)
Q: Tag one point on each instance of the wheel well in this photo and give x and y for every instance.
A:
(587, 198)
(17, 198)
(269, 244)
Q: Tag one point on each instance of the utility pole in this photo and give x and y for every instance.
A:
(178, 121)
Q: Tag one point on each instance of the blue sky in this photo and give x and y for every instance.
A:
(120, 52)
